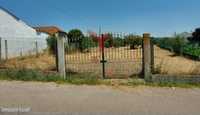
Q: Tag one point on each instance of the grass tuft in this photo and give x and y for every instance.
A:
(83, 79)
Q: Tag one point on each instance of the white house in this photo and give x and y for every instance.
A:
(17, 38)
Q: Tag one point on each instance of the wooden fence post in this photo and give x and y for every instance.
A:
(6, 49)
(147, 56)
(61, 54)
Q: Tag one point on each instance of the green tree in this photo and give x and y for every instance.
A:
(51, 43)
(133, 40)
(75, 36)
(118, 42)
(87, 43)
(109, 42)
(195, 39)
(178, 44)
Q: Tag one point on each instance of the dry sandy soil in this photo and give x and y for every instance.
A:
(120, 61)
(170, 64)
(98, 100)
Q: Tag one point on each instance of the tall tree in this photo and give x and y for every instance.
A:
(76, 36)
(195, 36)
(133, 40)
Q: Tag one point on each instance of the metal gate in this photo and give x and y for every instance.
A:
(107, 55)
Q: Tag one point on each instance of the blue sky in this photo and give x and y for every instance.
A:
(159, 17)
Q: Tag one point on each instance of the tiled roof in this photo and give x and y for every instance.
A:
(51, 30)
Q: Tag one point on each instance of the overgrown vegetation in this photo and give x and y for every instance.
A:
(133, 40)
(81, 79)
(192, 50)
(77, 41)
(87, 43)
(180, 45)
(36, 75)
(195, 38)
(174, 44)
(118, 42)
(51, 43)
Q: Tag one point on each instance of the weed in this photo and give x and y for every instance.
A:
(83, 79)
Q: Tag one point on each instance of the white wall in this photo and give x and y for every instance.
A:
(21, 37)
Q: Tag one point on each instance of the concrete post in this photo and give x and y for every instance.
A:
(152, 57)
(147, 56)
(0, 50)
(6, 49)
(36, 49)
(61, 55)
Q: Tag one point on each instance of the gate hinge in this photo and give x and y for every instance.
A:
(103, 61)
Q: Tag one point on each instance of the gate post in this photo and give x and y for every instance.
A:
(61, 54)
(36, 49)
(0, 50)
(147, 56)
(6, 49)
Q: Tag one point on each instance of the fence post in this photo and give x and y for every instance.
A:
(0, 50)
(36, 48)
(61, 54)
(152, 57)
(6, 49)
(147, 56)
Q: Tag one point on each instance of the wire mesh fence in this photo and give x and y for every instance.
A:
(119, 56)
(28, 53)
(16, 47)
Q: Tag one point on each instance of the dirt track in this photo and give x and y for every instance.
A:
(170, 64)
(50, 97)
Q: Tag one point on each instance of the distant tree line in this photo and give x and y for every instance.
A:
(77, 41)
(195, 38)
(182, 44)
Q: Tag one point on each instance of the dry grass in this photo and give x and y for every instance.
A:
(120, 62)
(176, 65)
(44, 62)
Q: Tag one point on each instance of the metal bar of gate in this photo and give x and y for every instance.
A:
(103, 57)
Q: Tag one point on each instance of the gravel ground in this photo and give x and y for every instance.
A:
(97, 100)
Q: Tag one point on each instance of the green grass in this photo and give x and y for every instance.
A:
(35, 75)
(82, 79)
(173, 84)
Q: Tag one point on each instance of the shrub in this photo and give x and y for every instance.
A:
(51, 42)
(109, 42)
(118, 42)
(164, 43)
(175, 44)
(195, 39)
(133, 40)
(75, 37)
(87, 43)
(192, 50)
(178, 44)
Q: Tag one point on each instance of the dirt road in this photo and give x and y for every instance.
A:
(50, 97)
